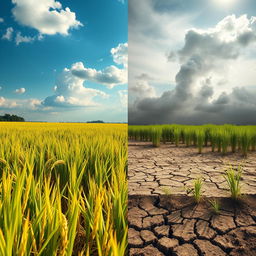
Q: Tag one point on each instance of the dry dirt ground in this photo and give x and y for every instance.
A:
(154, 171)
(173, 224)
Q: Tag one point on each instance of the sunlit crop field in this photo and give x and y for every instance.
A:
(63, 189)
(221, 138)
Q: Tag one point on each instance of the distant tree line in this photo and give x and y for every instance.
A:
(96, 121)
(11, 118)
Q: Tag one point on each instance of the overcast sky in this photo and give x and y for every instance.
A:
(64, 60)
(192, 62)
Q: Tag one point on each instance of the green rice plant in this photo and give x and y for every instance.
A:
(182, 136)
(225, 140)
(233, 141)
(188, 137)
(213, 139)
(207, 132)
(245, 143)
(156, 137)
(221, 137)
(194, 137)
(218, 141)
(253, 141)
(200, 140)
(166, 134)
(197, 192)
(233, 179)
(215, 205)
(239, 143)
(177, 137)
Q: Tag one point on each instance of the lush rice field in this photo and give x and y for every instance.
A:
(63, 189)
(221, 138)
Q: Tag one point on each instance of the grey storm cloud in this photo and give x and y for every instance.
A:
(204, 52)
(228, 108)
(167, 6)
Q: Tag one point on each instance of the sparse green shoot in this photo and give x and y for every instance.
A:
(197, 192)
(215, 205)
(233, 179)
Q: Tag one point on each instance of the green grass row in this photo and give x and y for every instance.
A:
(221, 138)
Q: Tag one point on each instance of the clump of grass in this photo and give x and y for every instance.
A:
(194, 137)
(245, 143)
(187, 136)
(233, 141)
(200, 141)
(253, 142)
(225, 138)
(233, 179)
(215, 205)
(197, 192)
(213, 138)
(218, 141)
(177, 137)
(156, 137)
(166, 134)
(207, 133)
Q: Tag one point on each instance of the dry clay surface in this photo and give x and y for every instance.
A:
(175, 225)
(170, 169)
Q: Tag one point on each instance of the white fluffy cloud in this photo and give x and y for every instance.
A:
(110, 76)
(70, 92)
(1, 20)
(5, 103)
(19, 38)
(70, 89)
(203, 92)
(8, 34)
(29, 104)
(23, 39)
(46, 16)
(120, 54)
(20, 91)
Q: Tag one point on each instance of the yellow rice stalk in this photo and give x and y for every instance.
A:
(64, 236)
(24, 238)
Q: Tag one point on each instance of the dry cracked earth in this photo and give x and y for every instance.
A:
(154, 171)
(173, 224)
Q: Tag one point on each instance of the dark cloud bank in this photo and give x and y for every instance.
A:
(204, 52)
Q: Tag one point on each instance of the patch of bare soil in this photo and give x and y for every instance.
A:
(175, 225)
(153, 171)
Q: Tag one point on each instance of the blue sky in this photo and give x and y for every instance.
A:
(192, 62)
(61, 64)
